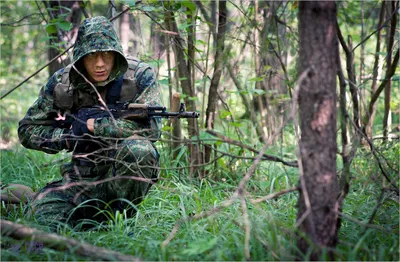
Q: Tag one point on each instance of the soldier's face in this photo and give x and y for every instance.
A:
(99, 65)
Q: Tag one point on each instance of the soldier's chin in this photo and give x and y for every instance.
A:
(98, 79)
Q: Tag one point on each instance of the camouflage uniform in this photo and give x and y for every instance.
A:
(126, 149)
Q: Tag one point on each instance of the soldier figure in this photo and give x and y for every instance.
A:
(114, 161)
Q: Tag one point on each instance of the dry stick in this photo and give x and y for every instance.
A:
(378, 205)
(54, 59)
(237, 143)
(274, 195)
(61, 243)
(352, 219)
(379, 28)
(374, 153)
(247, 227)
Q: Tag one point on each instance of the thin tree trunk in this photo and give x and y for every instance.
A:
(388, 89)
(212, 95)
(125, 32)
(186, 85)
(368, 125)
(260, 102)
(352, 78)
(345, 176)
(318, 204)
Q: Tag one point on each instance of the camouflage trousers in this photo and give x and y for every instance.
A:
(89, 192)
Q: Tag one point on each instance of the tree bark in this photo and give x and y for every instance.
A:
(212, 95)
(186, 85)
(269, 66)
(374, 86)
(388, 90)
(318, 205)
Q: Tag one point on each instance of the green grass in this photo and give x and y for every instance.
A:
(220, 236)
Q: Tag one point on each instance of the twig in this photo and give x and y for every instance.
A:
(97, 93)
(352, 219)
(274, 195)
(247, 227)
(379, 28)
(237, 143)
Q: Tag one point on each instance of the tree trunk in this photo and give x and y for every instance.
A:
(54, 9)
(186, 85)
(374, 86)
(125, 31)
(388, 90)
(212, 95)
(318, 204)
(269, 66)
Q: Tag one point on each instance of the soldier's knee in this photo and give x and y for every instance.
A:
(139, 150)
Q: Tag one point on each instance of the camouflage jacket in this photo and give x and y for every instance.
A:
(43, 129)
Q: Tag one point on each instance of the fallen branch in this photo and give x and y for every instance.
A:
(60, 243)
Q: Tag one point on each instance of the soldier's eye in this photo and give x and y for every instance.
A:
(108, 55)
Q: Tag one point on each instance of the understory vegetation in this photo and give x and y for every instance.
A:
(220, 235)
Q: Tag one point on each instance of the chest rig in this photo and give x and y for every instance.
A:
(70, 99)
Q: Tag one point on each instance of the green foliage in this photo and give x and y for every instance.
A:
(177, 198)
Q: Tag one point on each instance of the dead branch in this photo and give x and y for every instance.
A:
(274, 195)
(358, 222)
(61, 243)
(265, 156)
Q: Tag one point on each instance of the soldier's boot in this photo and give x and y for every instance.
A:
(16, 194)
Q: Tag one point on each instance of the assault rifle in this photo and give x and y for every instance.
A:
(142, 111)
(132, 111)
(119, 111)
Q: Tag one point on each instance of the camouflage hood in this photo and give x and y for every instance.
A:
(97, 34)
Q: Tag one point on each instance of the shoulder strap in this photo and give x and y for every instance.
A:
(129, 87)
(63, 95)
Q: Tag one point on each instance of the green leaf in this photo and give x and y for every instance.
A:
(236, 124)
(163, 81)
(64, 25)
(256, 79)
(166, 128)
(200, 246)
(396, 78)
(189, 5)
(51, 29)
(130, 3)
(257, 91)
(200, 42)
(148, 8)
(224, 114)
